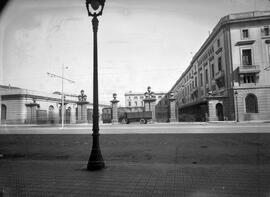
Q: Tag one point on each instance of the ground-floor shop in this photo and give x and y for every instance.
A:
(241, 104)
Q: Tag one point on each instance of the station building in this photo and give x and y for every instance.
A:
(23, 106)
(229, 77)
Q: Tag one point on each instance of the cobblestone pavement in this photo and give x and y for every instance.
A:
(69, 178)
(189, 165)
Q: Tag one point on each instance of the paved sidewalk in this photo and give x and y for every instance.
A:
(160, 124)
(140, 128)
(69, 178)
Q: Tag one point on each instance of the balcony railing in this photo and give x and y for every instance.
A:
(249, 69)
(219, 74)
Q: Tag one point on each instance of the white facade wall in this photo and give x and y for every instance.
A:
(228, 33)
(16, 111)
(260, 49)
(139, 97)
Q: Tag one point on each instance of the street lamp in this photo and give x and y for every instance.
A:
(62, 92)
(236, 102)
(95, 162)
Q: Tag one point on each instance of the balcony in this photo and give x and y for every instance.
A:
(195, 91)
(249, 69)
(219, 74)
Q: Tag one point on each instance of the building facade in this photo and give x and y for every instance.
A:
(229, 77)
(136, 99)
(22, 106)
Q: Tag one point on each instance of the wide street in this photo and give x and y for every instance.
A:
(196, 159)
(195, 127)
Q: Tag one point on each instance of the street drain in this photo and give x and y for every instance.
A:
(204, 146)
(194, 162)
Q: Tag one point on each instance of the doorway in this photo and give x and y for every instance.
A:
(219, 111)
(3, 112)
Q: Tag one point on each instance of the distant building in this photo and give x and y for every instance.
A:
(135, 99)
(229, 77)
(21, 106)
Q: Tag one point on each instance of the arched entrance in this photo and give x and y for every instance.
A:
(51, 114)
(219, 111)
(251, 103)
(3, 112)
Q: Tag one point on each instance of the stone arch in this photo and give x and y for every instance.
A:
(251, 103)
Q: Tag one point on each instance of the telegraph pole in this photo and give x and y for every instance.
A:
(62, 92)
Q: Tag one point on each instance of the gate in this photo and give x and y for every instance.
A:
(41, 116)
(162, 113)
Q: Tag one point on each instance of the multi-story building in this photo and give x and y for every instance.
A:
(229, 77)
(135, 99)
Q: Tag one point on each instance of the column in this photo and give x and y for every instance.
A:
(73, 115)
(150, 105)
(82, 112)
(172, 110)
(212, 110)
(114, 109)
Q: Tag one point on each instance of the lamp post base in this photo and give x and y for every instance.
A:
(95, 165)
(95, 161)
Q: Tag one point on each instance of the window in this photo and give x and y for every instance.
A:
(206, 76)
(136, 103)
(213, 70)
(218, 43)
(219, 64)
(246, 57)
(135, 97)
(245, 33)
(251, 103)
(201, 79)
(141, 103)
(249, 78)
(265, 31)
(196, 83)
(129, 103)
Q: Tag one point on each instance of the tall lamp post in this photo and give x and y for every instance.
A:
(62, 92)
(95, 162)
(236, 103)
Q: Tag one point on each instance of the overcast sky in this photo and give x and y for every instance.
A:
(141, 43)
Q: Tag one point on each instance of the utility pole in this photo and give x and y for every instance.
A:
(62, 92)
